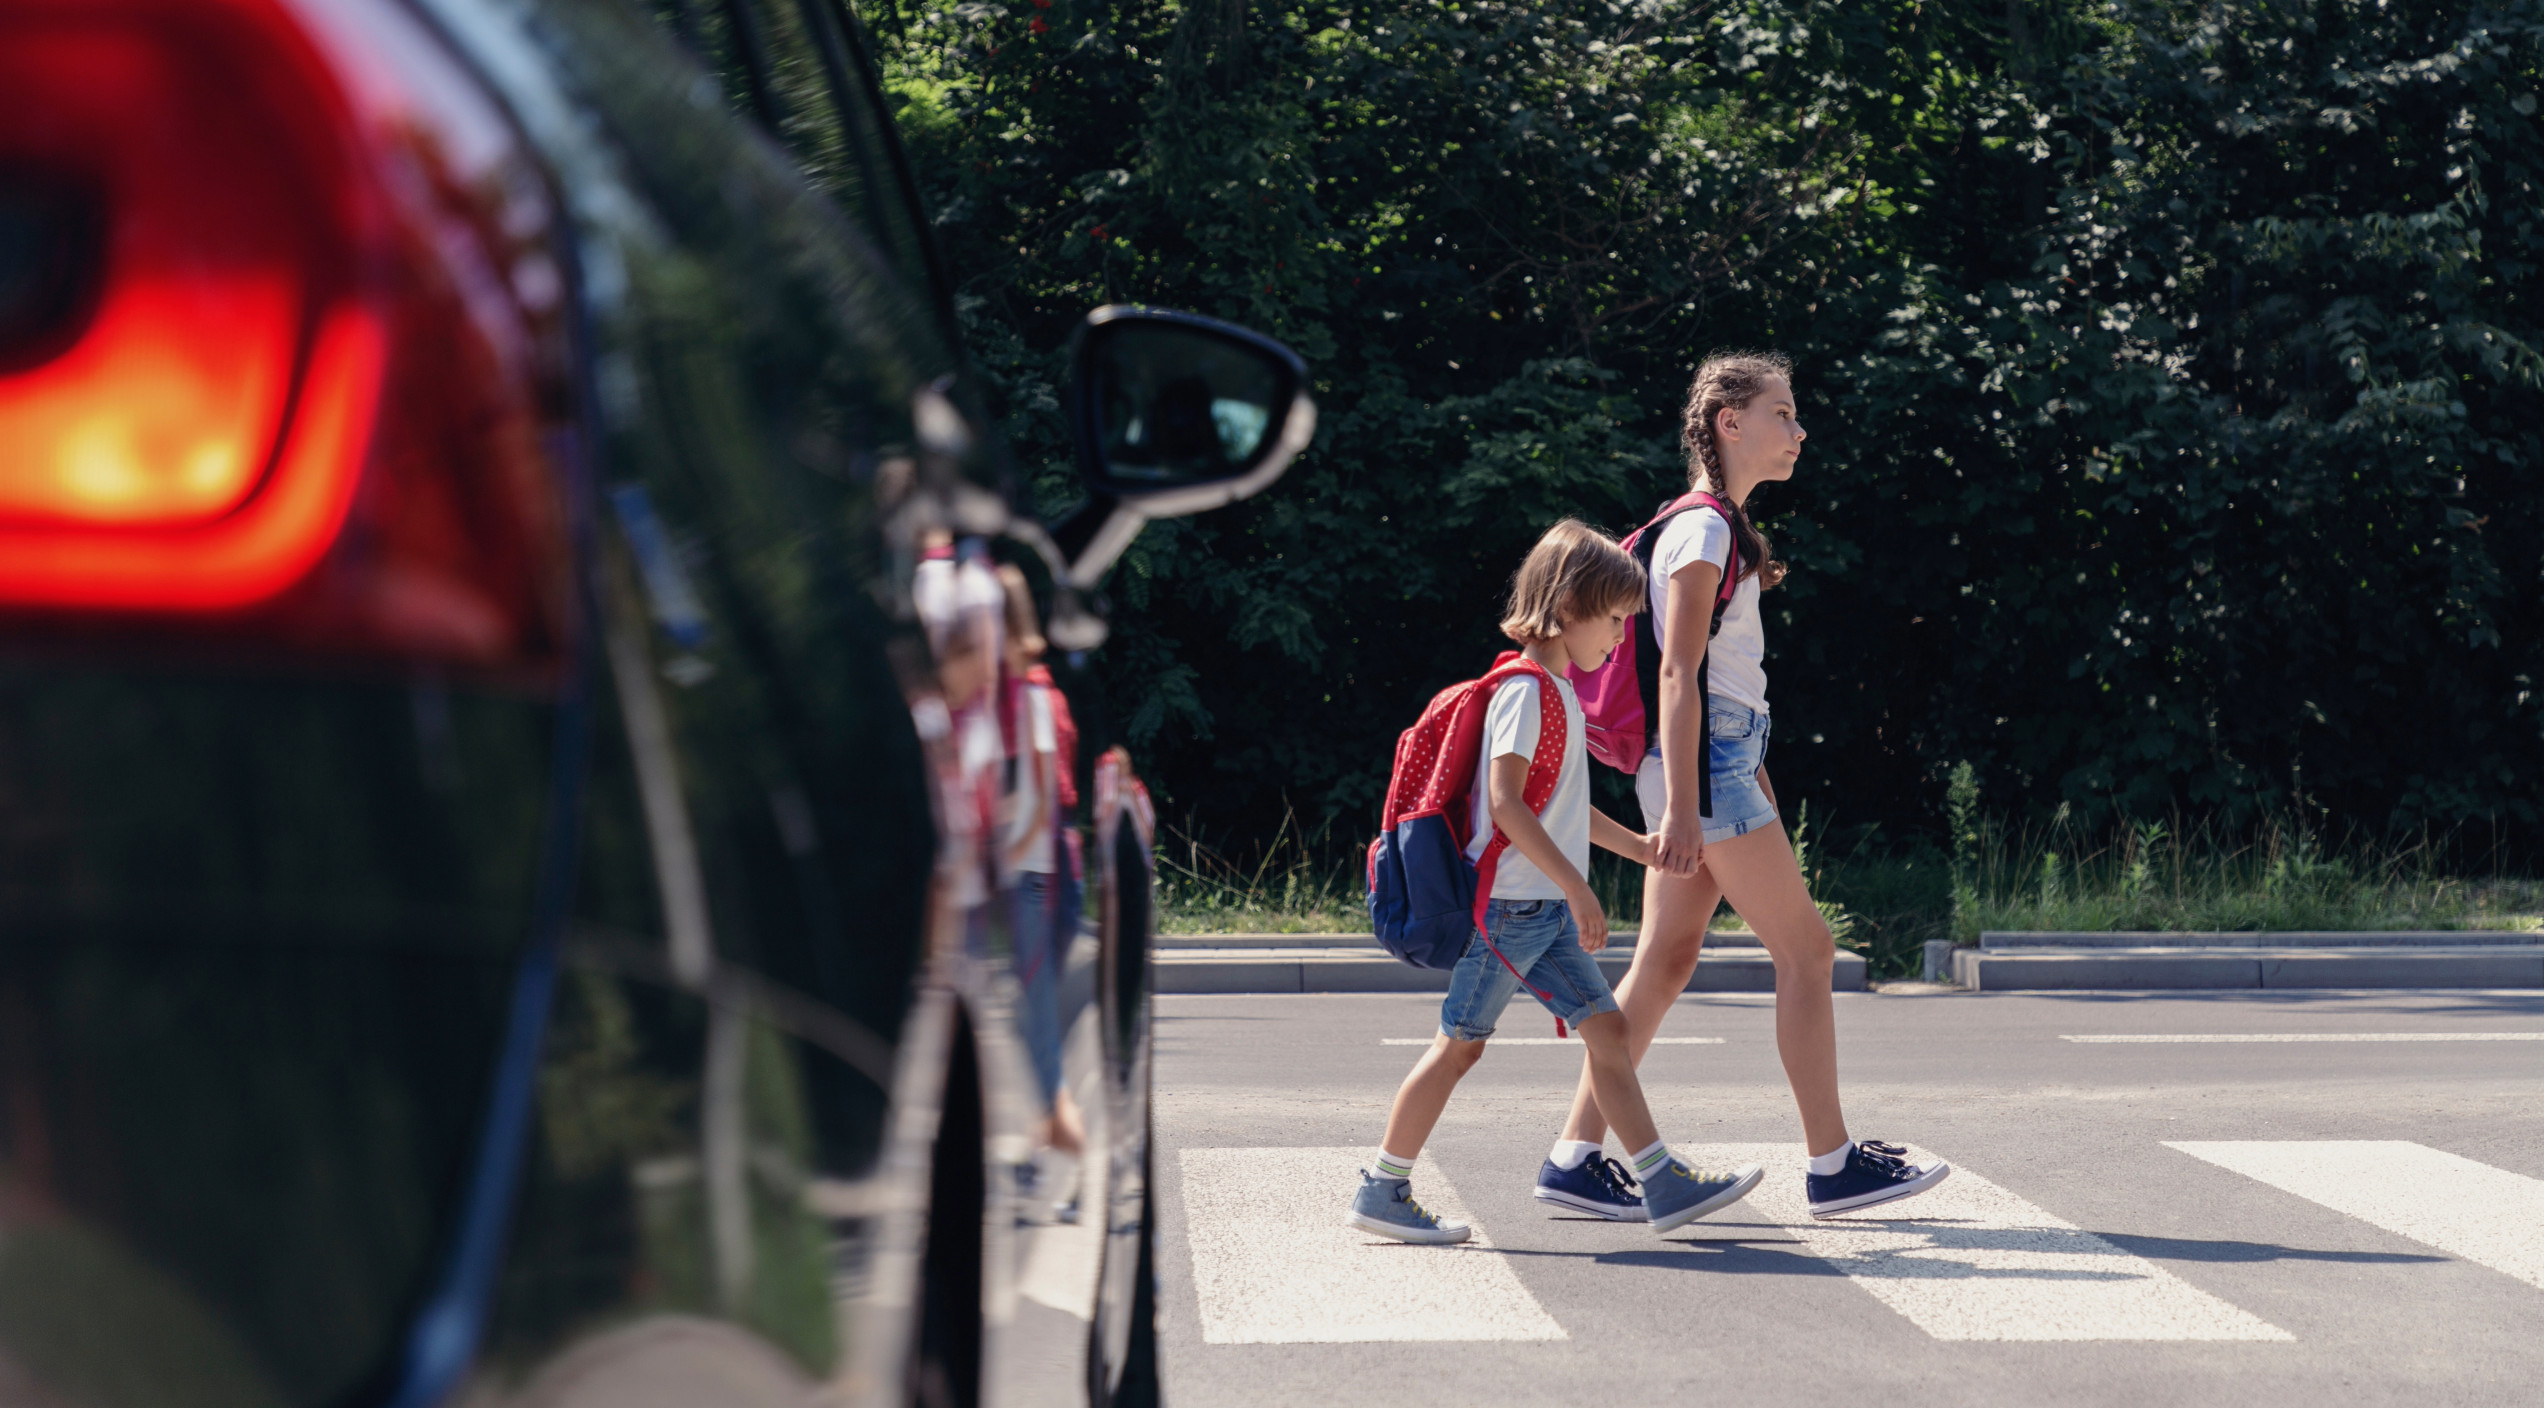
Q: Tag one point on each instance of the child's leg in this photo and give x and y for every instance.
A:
(1761, 879)
(1609, 1070)
(1674, 1194)
(1425, 1093)
(1676, 909)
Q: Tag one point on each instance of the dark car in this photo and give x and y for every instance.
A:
(495, 901)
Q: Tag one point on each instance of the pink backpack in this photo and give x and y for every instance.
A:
(1613, 696)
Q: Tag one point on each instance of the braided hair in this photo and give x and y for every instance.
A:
(1728, 379)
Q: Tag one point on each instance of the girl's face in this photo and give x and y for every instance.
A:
(1764, 437)
(1590, 640)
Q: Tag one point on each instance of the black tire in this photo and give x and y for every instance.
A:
(945, 1363)
(1140, 1387)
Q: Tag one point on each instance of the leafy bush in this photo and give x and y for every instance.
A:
(2172, 370)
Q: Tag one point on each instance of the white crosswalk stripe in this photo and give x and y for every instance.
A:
(1274, 1264)
(1969, 1260)
(2485, 1215)
(2207, 1038)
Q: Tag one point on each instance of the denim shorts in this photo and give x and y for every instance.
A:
(1540, 940)
(1738, 750)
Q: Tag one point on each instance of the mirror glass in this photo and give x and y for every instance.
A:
(1177, 405)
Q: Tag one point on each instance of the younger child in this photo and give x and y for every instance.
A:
(1569, 606)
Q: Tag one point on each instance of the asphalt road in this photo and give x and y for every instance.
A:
(2176, 1222)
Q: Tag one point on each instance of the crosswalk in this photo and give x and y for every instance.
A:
(1972, 1260)
(1275, 1264)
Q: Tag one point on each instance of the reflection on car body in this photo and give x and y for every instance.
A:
(493, 905)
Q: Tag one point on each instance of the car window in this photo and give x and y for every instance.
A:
(802, 69)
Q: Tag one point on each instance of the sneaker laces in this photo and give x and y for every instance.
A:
(1883, 1162)
(1613, 1176)
(1404, 1195)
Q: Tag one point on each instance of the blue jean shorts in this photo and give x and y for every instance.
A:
(1540, 940)
(1738, 750)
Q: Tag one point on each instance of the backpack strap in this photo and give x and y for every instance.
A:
(1647, 642)
(1545, 769)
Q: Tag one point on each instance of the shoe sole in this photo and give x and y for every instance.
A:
(1892, 1194)
(1630, 1212)
(1427, 1236)
(1737, 1191)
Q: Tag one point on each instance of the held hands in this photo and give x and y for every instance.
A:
(1678, 848)
(1588, 917)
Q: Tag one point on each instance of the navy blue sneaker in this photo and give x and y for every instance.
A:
(1600, 1187)
(1873, 1175)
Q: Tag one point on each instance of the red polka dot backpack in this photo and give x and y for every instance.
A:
(1425, 897)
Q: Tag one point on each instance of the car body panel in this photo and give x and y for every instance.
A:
(702, 1090)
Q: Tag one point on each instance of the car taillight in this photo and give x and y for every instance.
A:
(283, 355)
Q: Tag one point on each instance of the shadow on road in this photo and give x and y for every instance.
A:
(2194, 1249)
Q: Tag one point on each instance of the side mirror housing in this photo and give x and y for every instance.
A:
(1173, 414)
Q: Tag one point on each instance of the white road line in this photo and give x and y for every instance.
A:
(2170, 1037)
(1972, 1261)
(1553, 1041)
(2485, 1215)
(1274, 1264)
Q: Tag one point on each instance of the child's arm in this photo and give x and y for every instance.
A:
(1679, 847)
(1046, 788)
(1609, 834)
(1505, 793)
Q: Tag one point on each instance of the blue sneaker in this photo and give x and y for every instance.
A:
(1386, 1206)
(1675, 1195)
(1875, 1173)
(1600, 1187)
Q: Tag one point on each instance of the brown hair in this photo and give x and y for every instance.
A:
(1727, 380)
(1574, 571)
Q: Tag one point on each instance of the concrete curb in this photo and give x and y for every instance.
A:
(1993, 940)
(2247, 967)
(1351, 963)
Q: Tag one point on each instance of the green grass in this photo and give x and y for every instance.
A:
(1885, 900)
(2157, 876)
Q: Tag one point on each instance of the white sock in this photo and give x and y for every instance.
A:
(1834, 1161)
(1648, 1161)
(1389, 1166)
(1573, 1153)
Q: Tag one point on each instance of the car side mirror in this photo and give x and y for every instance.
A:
(1173, 414)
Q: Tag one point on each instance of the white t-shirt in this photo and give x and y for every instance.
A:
(1735, 664)
(1510, 726)
(1028, 807)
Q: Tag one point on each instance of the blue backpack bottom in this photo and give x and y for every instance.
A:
(1422, 893)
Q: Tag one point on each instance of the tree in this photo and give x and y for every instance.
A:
(2153, 352)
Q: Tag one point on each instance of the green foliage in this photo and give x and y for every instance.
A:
(2172, 369)
(2206, 878)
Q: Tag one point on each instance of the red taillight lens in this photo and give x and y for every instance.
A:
(280, 337)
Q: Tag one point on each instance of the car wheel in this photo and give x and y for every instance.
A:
(1137, 1386)
(945, 1364)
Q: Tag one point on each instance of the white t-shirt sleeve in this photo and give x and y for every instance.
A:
(1040, 735)
(1698, 535)
(1512, 722)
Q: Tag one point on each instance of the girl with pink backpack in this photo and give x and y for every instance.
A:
(1691, 724)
